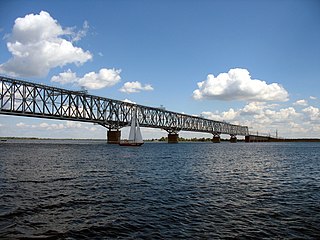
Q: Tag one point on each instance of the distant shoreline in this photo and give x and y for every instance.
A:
(164, 139)
(295, 140)
(35, 138)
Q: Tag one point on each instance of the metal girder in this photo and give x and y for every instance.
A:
(35, 100)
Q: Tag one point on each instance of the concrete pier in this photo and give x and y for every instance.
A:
(233, 139)
(114, 136)
(173, 137)
(215, 138)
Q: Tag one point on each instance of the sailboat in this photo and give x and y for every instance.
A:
(135, 137)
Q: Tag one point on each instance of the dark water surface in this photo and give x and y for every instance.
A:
(76, 190)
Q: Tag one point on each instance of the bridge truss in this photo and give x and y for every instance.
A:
(29, 99)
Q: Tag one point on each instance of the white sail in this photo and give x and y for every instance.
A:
(138, 138)
(132, 133)
(135, 137)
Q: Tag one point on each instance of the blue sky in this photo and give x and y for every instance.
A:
(257, 60)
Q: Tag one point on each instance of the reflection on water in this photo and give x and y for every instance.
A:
(78, 189)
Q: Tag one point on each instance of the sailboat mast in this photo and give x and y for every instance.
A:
(135, 125)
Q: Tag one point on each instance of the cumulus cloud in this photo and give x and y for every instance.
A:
(282, 115)
(65, 77)
(313, 98)
(238, 85)
(265, 118)
(312, 113)
(37, 45)
(229, 115)
(134, 87)
(301, 102)
(255, 108)
(104, 78)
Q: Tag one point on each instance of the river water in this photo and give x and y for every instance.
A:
(91, 190)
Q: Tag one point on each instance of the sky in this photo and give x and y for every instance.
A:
(247, 62)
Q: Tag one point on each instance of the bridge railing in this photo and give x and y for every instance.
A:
(23, 98)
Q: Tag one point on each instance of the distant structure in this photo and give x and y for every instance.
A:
(162, 107)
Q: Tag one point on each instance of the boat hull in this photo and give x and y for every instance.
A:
(130, 144)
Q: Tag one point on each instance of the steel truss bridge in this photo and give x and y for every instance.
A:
(29, 99)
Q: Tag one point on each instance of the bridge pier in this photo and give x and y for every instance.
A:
(173, 137)
(113, 136)
(233, 138)
(216, 138)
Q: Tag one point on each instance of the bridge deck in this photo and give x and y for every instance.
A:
(29, 99)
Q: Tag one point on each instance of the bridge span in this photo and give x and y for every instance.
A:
(22, 98)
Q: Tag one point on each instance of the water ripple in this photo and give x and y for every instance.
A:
(66, 190)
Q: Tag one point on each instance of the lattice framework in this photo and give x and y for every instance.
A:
(29, 99)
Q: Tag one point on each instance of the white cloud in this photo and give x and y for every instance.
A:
(104, 78)
(256, 108)
(44, 125)
(301, 102)
(265, 118)
(229, 115)
(65, 77)
(313, 98)
(91, 129)
(238, 85)
(71, 124)
(53, 126)
(297, 128)
(80, 34)
(37, 45)
(21, 125)
(282, 115)
(134, 87)
(312, 113)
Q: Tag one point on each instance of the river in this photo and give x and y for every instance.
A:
(63, 189)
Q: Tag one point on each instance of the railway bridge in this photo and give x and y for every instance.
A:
(22, 98)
